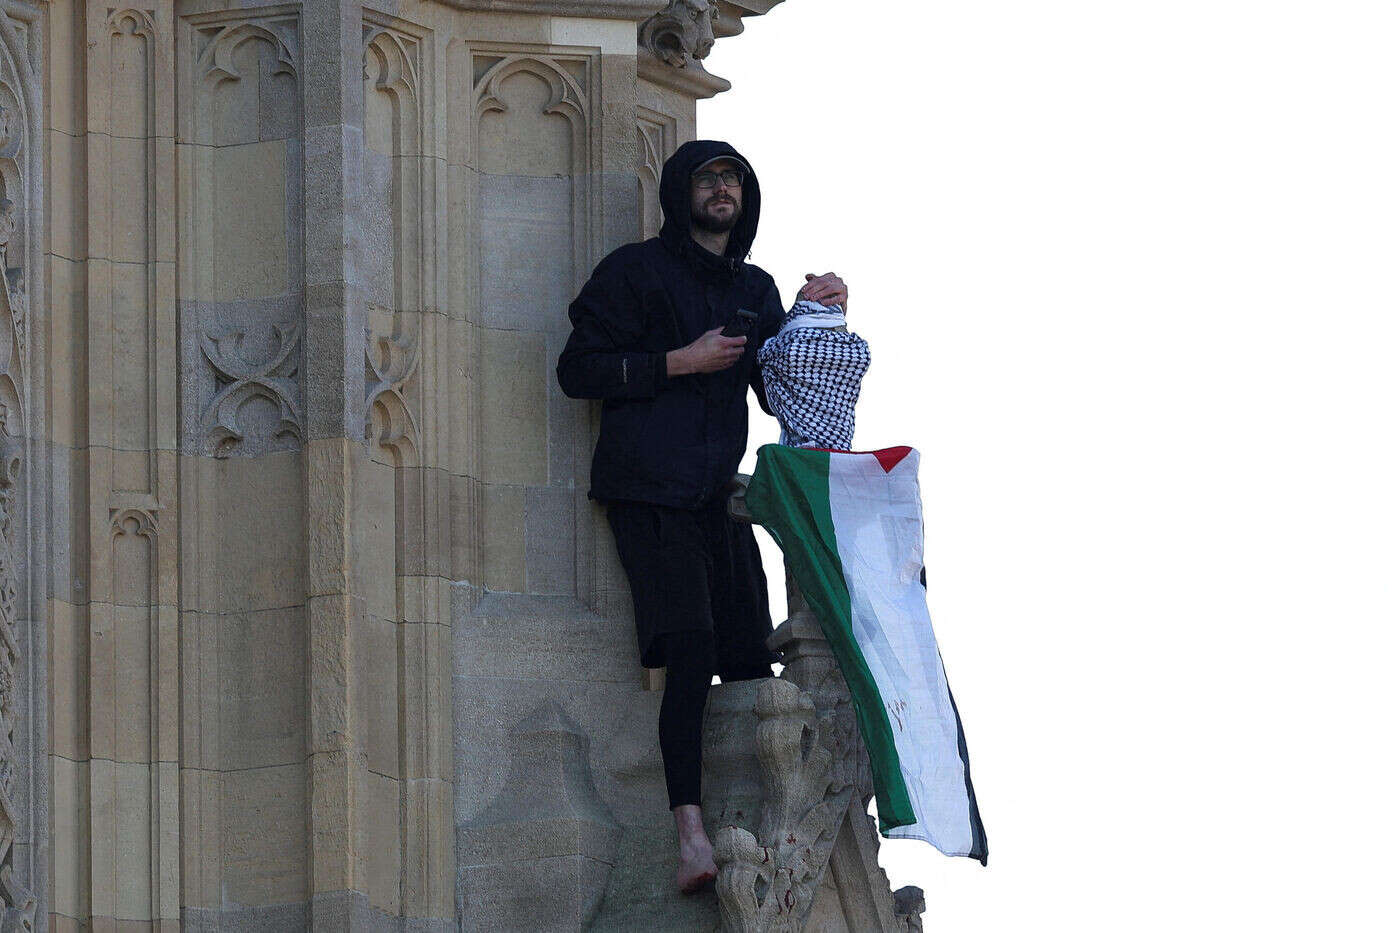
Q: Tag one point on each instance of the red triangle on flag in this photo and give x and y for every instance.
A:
(890, 456)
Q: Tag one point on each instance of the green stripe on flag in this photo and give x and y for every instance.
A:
(790, 496)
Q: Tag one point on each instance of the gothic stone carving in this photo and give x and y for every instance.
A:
(250, 319)
(17, 905)
(392, 68)
(684, 30)
(391, 358)
(269, 377)
(656, 140)
(768, 882)
(808, 662)
(10, 657)
(13, 274)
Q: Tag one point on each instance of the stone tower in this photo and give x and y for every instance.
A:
(306, 620)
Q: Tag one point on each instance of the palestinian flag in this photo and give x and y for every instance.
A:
(851, 528)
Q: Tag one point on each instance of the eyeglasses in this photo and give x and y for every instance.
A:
(706, 180)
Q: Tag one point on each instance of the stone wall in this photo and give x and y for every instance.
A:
(24, 460)
(297, 562)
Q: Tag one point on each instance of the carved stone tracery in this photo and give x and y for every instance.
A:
(571, 82)
(251, 357)
(270, 378)
(391, 359)
(767, 882)
(18, 169)
(656, 140)
(393, 327)
(218, 43)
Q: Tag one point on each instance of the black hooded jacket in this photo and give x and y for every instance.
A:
(673, 441)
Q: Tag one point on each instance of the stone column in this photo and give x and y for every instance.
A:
(114, 436)
(243, 256)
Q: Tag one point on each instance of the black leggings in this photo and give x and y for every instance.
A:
(690, 666)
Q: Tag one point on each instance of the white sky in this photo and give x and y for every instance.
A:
(1129, 275)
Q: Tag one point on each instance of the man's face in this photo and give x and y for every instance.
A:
(715, 210)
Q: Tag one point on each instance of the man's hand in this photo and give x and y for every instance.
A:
(710, 353)
(824, 289)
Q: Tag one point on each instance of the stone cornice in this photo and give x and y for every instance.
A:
(636, 10)
(693, 79)
(731, 11)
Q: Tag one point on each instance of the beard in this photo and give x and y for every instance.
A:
(702, 218)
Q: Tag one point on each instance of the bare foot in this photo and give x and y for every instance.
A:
(697, 868)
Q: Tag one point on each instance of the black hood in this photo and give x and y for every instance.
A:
(675, 196)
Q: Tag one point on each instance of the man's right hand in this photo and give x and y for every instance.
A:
(709, 353)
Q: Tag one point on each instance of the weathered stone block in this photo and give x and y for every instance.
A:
(263, 835)
(333, 717)
(245, 510)
(69, 665)
(550, 540)
(516, 370)
(71, 849)
(733, 785)
(334, 362)
(330, 467)
(130, 657)
(68, 352)
(376, 648)
(259, 682)
(429, 875)
(504, 522)
(376, 533)
(201, 849)
(249, 250)
(524, 214)
(609, 36)
(383, 845)
(68, 173)
(336, 841)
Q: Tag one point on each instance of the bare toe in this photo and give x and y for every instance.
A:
(694, 883)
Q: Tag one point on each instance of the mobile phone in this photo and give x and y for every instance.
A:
(738, 327)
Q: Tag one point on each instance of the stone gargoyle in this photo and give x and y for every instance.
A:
(683, 31)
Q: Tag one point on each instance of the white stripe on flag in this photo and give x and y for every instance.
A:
(878, 521)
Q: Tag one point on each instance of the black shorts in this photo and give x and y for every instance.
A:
(695, 570)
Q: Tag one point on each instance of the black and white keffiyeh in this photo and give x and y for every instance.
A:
(812, 374)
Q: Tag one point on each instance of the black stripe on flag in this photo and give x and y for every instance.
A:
(979, 835)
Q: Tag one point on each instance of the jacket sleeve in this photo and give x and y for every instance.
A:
(603, 357)
(770, 318)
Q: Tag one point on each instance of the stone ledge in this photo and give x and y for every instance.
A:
(344, 910)
(692, 79)
(637, 10)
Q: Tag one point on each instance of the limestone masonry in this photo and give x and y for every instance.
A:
(306, 620)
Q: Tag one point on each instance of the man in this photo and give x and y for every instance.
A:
(648, 340)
